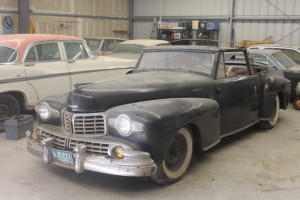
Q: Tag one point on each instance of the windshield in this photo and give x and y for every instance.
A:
(7, 55)
(294, 55)
(93, 44)
(173, 60)
(128, 48)
(284, 60)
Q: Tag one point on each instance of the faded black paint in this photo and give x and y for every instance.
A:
(164, 101)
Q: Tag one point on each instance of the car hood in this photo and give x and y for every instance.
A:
(131, 56)
(136, 87)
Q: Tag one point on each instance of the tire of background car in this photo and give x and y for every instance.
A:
(270, 123)
(9, 107)
(296, 103)
(177, 160)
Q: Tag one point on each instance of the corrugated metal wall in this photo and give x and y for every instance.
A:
(252, 19)
(83, 18)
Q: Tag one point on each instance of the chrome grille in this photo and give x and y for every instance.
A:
(91, 147)
(58, 142)
(67, 120)
(84, 123)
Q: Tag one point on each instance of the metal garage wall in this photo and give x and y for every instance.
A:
(9, 8)
(258, 19)
(250, 19)
(75, 17)
(179, 11)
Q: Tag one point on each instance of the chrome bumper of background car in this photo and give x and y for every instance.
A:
(134, 163)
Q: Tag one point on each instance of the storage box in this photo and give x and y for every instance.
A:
(177, 36)
(16, 126)
(212, 25)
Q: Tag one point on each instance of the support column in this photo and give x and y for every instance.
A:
(230, 21)
(131, 18)
(23, 9)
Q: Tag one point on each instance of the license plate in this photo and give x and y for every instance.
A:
(62, 156)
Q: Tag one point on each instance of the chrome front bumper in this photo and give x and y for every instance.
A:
(134, 163)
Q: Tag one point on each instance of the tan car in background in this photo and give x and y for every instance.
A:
(131, 49)
(33, 66)
(103, 45)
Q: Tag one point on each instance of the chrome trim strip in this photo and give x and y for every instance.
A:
(231, 133)
(56, 75)
(212, 145)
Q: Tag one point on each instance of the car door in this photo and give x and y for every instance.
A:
(238, 97)
(46, 69)
(83, 68)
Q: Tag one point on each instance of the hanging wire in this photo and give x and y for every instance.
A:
(286, 16)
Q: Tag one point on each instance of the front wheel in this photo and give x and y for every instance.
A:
(177, 160)
(9, 107)
(270, 123)
(296, 103)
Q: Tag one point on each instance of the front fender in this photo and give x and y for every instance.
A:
(161, 119)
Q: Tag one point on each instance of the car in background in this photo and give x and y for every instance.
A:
(33, 66)
(131, 49)
(178, 100)
(282, 65)
(293, 52)
(102, 45)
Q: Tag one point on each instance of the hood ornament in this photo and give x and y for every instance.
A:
(77, 85)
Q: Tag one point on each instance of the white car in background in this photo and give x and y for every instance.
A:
(33, 66)
(293, 52)
(131, 49)
(103, 45)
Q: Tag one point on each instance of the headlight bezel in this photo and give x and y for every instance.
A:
(41, 112)
(120, 125)
(51, 112)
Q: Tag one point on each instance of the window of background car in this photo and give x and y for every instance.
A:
(189, 61)
(43, 52)
(263, 59)
(75, 50)
(31, 55)
(108, 45)
(284, 60)
(7, 55)
(93, 44)
(259, 58)
(294, 55)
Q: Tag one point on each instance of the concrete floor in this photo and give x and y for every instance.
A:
(253, 164)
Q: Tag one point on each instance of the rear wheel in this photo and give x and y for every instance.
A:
(177, 160)
(9, 107)
(296, 103)
(270, 123)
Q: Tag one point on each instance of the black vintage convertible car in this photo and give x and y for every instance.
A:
(147, 123)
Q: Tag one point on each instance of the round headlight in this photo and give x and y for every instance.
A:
(123, 125)
(43, 111)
